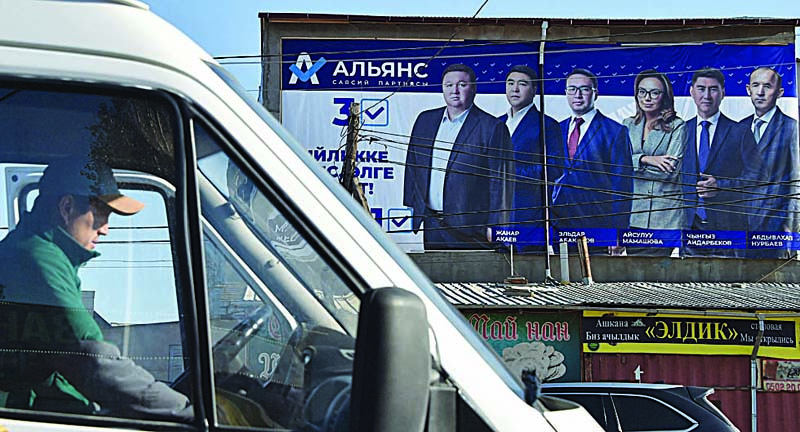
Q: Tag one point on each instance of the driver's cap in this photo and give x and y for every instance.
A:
(87, 176)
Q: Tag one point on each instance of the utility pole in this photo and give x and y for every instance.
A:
(348, 179)
(543, 142)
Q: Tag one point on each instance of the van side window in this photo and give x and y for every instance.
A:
(90, 293)
(592, 402)
(137, 247)
(283, 322)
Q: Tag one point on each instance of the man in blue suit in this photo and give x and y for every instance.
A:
(721, 170)
(776, 139)
(456, 169)
(524, 123)
(593, 168)
(775, 134)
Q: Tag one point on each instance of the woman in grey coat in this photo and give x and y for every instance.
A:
(658, 138)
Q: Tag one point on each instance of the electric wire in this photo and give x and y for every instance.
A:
(588, 40)
(544, 80)
(434, 56)
(742, 188)
(740, 203)
(718, 206)
(759, 196)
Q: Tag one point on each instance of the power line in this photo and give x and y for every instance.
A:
(754, 183)
(541, 80)
(458, 30)
(589, 39)
(736, 203)
(555, 221)
(630, 196)
(740, 190)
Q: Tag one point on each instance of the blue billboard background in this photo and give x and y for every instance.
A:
(615, 65)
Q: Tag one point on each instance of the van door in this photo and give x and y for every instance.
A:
(219, 287)
(134, 295)
(226, 272)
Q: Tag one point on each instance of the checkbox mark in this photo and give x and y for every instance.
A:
(304, 76)
(376, 112)
(400, 219)
(374, 115)
(398, 222)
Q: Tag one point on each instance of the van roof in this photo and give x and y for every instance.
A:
(113, 28)
(133, 3)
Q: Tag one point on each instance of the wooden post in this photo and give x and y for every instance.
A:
(586, 264)
(348, 179)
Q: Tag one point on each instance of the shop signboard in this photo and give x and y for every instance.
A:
(547, 343)
(687, 334)
(780, 375)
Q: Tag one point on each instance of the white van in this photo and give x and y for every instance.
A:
(251, 282)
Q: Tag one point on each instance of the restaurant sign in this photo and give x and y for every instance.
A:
(681, 334)
(546, 343)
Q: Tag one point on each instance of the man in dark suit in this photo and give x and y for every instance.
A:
(775, 134)
(776, 138)
(721, 171)
(524, 122)
(456, 169)
(593, 169)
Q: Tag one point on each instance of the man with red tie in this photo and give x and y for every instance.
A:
(593, 170)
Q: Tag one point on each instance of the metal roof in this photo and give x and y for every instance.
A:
(634, 295)
(534, 21)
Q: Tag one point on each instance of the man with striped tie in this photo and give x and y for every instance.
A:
(721, 168)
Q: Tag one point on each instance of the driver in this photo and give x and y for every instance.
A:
(52, 353)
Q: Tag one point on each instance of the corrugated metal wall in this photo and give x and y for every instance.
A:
(729, 375)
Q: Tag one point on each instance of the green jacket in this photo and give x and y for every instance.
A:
(50, 345)
(41, 310)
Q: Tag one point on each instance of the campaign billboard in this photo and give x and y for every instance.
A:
(686, 149)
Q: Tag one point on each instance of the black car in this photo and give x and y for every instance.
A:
(645, 407)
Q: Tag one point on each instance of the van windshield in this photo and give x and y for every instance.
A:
(270, 247)
(420, 279)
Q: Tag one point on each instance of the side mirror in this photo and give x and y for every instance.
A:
(391, 370)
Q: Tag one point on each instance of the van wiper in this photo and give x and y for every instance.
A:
(533, 387)
(9, 94)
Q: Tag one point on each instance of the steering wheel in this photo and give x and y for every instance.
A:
(225, 351)
(327, 405)
(310, 387)
(239, 393)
